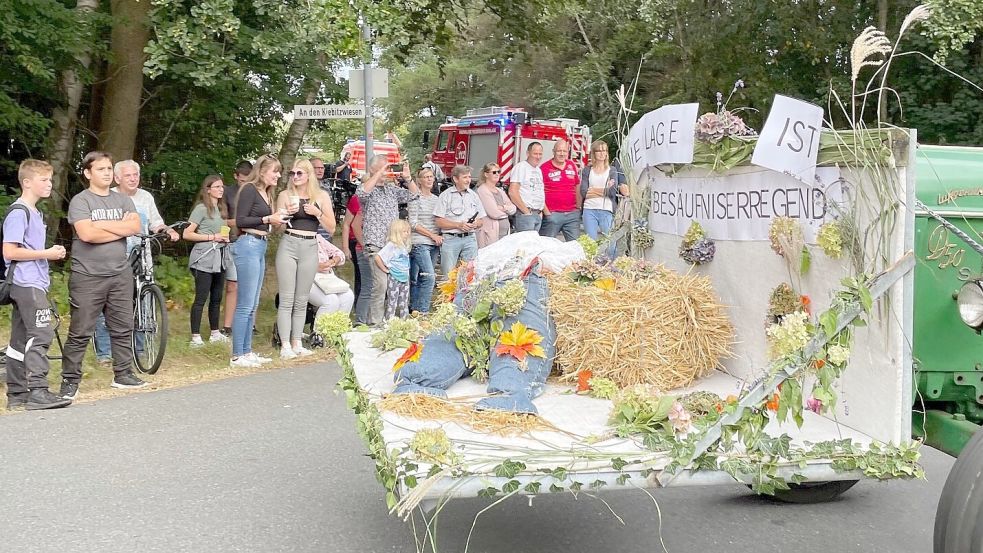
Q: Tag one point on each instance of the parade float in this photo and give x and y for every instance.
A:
(757, 329)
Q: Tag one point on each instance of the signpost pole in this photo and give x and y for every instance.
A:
(367, 83)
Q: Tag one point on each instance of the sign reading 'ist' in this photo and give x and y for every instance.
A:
(329, 112)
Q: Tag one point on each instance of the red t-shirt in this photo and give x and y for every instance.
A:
(353, 207)
(560, 186)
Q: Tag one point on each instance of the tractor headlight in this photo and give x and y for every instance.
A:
(970, 302)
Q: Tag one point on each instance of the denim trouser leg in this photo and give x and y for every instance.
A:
(456, 249)
(518, 383)
(249, 254)
(423, 258)
(101, 339)
(440, 365)
(365, 263)
(598, 224)
(561, 221)
(533, 221)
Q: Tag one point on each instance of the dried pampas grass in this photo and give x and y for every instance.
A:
(427, 407)
(666, 330)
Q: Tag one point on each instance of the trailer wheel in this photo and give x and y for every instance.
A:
(957, 520)
(813, 492)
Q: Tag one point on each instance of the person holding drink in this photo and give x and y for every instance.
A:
(307, 208)
(207, 229)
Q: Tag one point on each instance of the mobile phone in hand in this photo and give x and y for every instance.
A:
(473, 218)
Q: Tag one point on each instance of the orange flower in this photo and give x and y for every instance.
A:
(605, 284)
(583, 380)
(719, 407)
(520, 341)
(731, 399)
(772, 404)
(819, 363)
(806, 304)
(412, 353)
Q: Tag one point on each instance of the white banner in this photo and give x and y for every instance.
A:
(789, 142)
(666, 135)
(742, 206)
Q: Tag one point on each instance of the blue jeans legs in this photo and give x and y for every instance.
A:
(567, 222)
(249, 255)
(455, 249)
(423, 277)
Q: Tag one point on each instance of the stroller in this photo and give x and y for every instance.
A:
(310, 339)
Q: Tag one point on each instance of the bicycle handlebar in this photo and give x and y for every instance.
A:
(178, 226)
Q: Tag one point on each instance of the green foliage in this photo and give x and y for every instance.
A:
(397, 334)
(953, 24)
(175, 280)
(332, 325)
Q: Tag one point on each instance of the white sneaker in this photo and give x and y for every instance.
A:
(302, 351)
(196, 342)
(243, 361)
(217, 338)
(287, 353)
(259, 360)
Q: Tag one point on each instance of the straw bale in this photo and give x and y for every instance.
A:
(666, 330)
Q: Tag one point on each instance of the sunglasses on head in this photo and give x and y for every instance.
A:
(296, 173)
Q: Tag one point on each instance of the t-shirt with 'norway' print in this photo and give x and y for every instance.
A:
(107, 259)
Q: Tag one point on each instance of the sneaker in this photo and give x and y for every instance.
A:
(16, 402)
(287, 353)
(127, 380)
(302, 351)
(105, 361)
(69, 390)
(217, 338)
(243, 361)
(258, 359)
(42, 398)
(196, 342)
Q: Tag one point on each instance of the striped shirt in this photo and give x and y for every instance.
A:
(421, 213)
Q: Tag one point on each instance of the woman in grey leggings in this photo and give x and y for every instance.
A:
(296, 257)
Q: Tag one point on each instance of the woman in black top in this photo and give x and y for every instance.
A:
(253, 219)
(296, 256)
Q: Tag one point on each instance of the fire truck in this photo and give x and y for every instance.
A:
(500, 135)
(389, 148)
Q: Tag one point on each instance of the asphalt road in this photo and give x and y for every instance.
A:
(272, 462)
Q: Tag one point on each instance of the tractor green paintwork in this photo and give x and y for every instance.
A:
(948, 355)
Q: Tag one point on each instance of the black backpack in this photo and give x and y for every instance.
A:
(6, 283)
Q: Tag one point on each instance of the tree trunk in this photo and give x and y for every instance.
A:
(61, 139)
(124, 88)
(298, 128)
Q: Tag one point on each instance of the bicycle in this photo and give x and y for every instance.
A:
(150, 310)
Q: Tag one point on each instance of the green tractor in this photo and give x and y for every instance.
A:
(948, 350)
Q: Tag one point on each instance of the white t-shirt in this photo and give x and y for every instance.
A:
(599, 180)
(531, 188)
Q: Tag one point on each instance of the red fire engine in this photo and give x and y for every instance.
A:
(500, 135)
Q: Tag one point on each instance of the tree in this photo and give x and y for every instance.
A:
(124, 90)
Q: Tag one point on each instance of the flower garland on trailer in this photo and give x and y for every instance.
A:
(696, 247)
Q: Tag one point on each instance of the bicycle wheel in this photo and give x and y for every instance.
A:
(149, 329)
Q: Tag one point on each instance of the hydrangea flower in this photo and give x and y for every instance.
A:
(837, 354)
(680, 418)
(830, 239)
(789, 336)
(714, 127)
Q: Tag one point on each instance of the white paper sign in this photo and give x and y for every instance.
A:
(789, 142)
(666, 135)
(742, 206)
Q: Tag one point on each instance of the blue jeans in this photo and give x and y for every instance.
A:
(567, 222)
(423, 263)
(598, 222)
(249, 255)
(104, 349)
(515, 384)
(533, 221)
(456, 248)
(363, 301)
